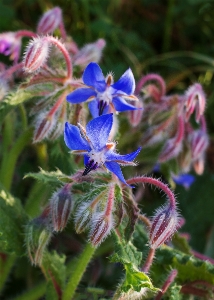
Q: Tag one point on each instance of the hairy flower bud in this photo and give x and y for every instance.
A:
(36, 54)
(50, 21)
(60, 206)
(198, 143)
(195, 99)
(135, 116)
(38, 235)
(44, 127)
(101, 227)
(164, 224)
(89, 53)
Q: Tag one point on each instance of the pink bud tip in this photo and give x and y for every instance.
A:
(36, 54)
(195, 100)
(50, 21)
(60, 205)
(164, 224)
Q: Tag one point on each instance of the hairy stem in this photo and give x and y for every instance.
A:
(76, 276)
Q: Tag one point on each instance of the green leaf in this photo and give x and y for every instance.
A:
(55, 269)
(180, 243)
(189, 268)
(132, 211)
(12, 100)
(136, 280)
(12, 221)
(54, 177)
(126, 253)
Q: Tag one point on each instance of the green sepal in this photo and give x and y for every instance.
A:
(12, 222)
(55, 177)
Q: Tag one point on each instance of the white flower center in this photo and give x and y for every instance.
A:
(105, 96)
(98, 157)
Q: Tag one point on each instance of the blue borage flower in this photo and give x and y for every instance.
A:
(103, 93)
(93, 143)
(186, 180)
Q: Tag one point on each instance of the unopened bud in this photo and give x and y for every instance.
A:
(89, 53)
(195, 99)
(38, 235)
(101, 227)
(198, 143)
(164, 224)
(171, 149)
(50, 21)
(135, 116)
(36, 54)
(60, 206)
(45, 125)
(198, 165)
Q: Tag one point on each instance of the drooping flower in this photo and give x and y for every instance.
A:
(103, 93)
(186, 180)
(93, 143)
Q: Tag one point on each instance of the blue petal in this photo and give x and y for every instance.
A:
(80, 95)
(93, 107)
(127, 157)
(126, 83)
(93, 76)
(86, 159)
(121, 105)
(98, 131)
(115, 168)
(73, 139)
(184, 179)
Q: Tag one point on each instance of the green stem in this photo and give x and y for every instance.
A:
(33, 294)
(81, 265)
(5, 268)
(23, 116)
(9, 160)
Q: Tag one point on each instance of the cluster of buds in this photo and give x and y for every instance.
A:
(169, 119)
(46, 80)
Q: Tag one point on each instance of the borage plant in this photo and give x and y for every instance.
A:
(95, 199)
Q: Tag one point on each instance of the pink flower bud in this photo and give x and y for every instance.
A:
(199, 165)
(50, 21)
(10, 45)
(195, 100)
(60, 206)
(45, 125)
(89, 53)
(198, 143)
(164, 224)
(101, 227)
(171, 149)
(36, 54)
(135, 116)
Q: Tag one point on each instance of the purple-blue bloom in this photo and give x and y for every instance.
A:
(105, 96)
(186, 180)
(93, 143)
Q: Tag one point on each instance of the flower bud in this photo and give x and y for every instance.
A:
(10, 45)
(44, 127)
(89, 53)
(50, 21)
(198, 165)
(195, 99)
(4, 88)
(164, 224)
(171, 149)
(60, 206)
(36, 54)
(198, 143)
(135, 116)
(101, 227)
(38, 235)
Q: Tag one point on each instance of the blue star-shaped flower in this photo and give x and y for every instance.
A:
(94, 145)
(103, 93)
(186, 180)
